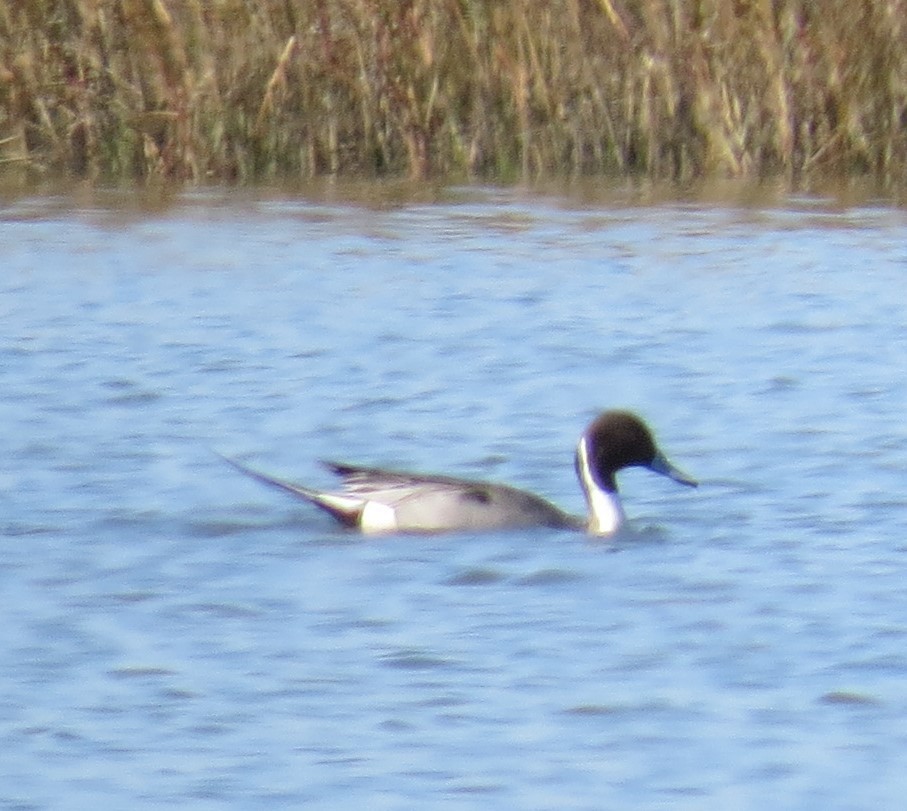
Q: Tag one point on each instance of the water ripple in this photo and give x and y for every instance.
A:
(174, 635)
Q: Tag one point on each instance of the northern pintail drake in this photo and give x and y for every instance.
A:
(376, 501)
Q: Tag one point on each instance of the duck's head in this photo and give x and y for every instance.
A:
(612, 441)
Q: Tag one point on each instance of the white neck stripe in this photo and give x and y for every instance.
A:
(605, 511)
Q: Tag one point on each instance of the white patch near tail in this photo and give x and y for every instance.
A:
(605, 511)
(377, 518)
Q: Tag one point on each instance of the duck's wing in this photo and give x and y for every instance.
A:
(368, 481)
(437, 503)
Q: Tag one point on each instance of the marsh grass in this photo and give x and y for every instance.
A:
(246, 91)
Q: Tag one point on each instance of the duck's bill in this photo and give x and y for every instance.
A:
(660, 464)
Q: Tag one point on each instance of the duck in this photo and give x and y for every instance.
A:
(377, 501)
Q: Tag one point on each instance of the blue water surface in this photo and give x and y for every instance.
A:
(174, 634)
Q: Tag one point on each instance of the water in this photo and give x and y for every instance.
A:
(174, 634)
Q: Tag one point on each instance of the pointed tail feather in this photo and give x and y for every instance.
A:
(345, 509)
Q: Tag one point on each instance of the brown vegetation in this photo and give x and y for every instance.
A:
(274, 89)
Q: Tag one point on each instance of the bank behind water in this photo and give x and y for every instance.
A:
(464, 89)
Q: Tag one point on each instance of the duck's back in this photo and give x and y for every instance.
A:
(441, 503)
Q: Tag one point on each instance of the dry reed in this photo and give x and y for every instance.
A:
(275, 89)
